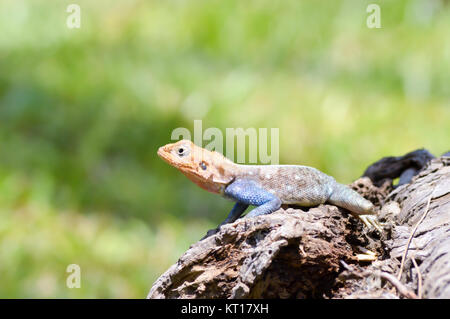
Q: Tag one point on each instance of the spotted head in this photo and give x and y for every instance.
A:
(210, 170)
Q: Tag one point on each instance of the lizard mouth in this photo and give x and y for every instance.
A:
(165, 156)
(170, 159)
(161, 152)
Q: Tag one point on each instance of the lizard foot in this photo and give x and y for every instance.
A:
(371, 222)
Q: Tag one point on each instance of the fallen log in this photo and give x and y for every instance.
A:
(313, 253)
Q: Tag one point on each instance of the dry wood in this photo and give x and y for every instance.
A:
(299, 253)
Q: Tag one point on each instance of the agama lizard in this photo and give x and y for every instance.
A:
(264, 186)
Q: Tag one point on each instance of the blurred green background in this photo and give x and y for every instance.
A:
(83, 111)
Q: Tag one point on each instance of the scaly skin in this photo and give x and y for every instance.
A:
(264, 186)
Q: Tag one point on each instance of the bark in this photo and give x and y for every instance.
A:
(312, 253)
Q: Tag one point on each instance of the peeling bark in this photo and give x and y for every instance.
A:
(300, 253)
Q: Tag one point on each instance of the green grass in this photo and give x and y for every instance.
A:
(83, 111)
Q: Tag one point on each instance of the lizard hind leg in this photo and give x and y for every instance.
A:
(345, 197)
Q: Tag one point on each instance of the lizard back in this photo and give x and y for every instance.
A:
(293, 184)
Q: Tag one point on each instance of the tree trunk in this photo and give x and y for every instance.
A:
(313, 253)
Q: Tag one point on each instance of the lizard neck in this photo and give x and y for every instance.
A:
(241, 170)
(223, 173)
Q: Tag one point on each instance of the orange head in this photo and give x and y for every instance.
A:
(210, 170)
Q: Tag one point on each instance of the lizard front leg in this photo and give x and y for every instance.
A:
(248, 192)
(235, 213)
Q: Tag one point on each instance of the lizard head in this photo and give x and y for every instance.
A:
(210, 170)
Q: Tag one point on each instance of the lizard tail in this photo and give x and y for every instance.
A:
(345, 197)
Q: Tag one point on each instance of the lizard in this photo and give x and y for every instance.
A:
(265, 186)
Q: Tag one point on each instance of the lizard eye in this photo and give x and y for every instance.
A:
(203, 166)
(182, 151)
